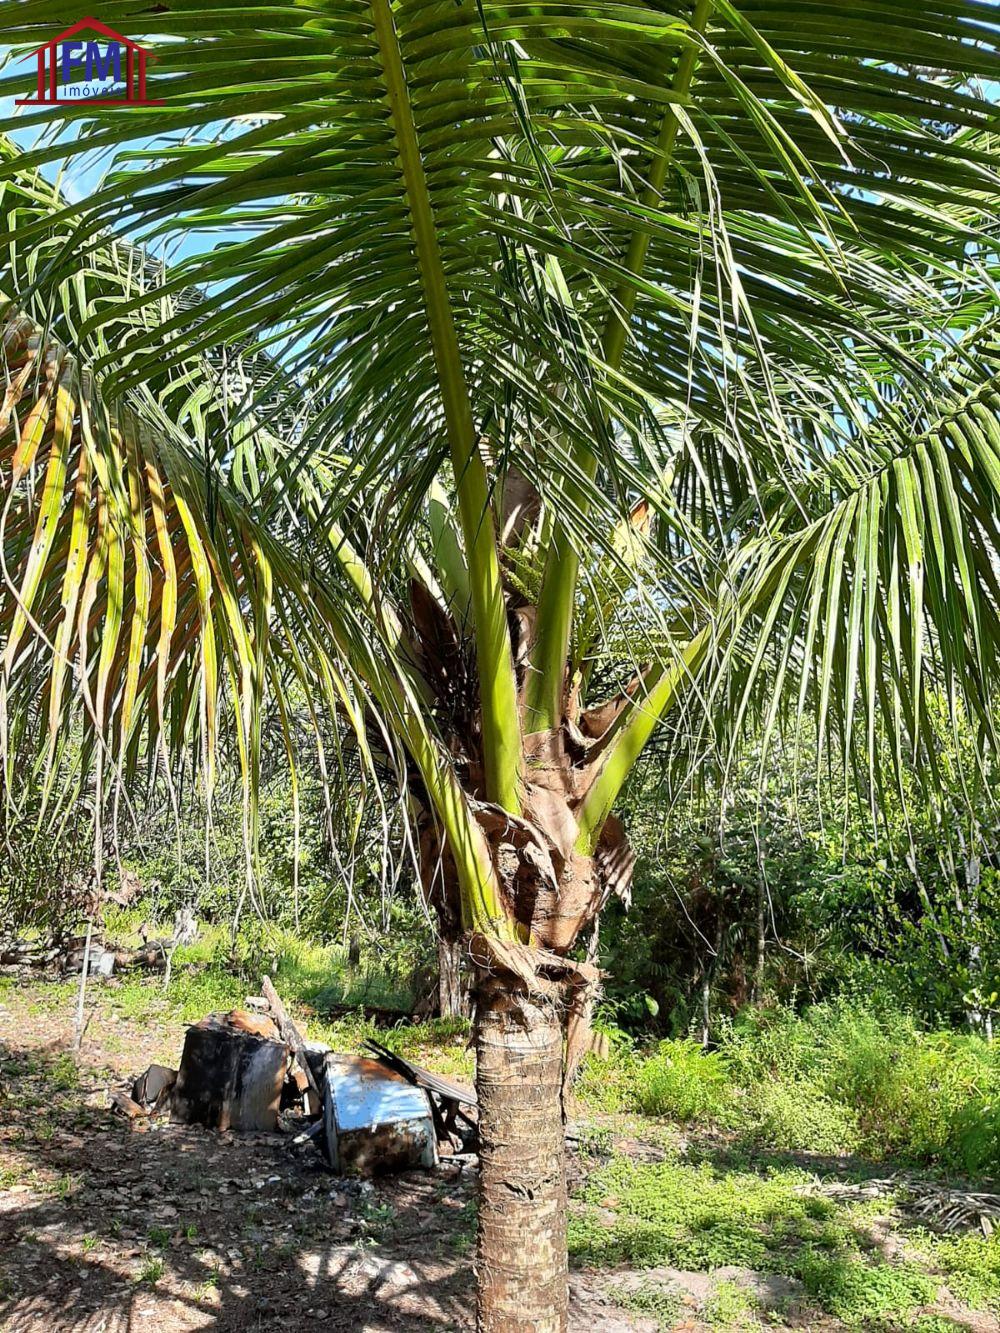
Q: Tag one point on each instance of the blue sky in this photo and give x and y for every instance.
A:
(80, 175)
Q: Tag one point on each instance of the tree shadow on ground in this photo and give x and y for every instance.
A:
(103, 1227)
(816, 1241)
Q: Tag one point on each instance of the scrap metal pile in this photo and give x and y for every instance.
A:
(252, 1070)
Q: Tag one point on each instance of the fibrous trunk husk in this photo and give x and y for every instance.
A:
(522, 1265)
(452, 990)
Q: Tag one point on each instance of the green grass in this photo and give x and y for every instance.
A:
(440, 1043)
(463, 1234)
(972, 1267)
(702, 1217)
(692, 1216)
(860, 1292)
(314, 980)
(926, 1097)
(697, 1217)
(307, 972)
(730, 1306)
(794, 1116)
(150, 1272)
(681, 1081)
(663, 1304)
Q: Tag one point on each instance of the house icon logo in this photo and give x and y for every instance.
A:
(91, 63)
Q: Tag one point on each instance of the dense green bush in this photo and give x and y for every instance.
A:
(839, 1077)
(925, 1096)
(793, 1115)
(682, 1081)
(782, 885)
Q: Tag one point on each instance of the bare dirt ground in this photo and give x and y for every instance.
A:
(106, 1227)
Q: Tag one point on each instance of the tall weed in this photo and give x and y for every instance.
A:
(841, 1076)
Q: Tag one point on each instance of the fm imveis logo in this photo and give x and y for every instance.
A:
(99, 67)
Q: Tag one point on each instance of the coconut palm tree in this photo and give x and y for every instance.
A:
(613, 372)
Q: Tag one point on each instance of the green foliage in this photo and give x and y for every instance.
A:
(218, 970)
(887, 904)
(698, 1217)
(972, 1264)
(858, 1291)
(682, 1081)
(442, 1043)
(150, 1272)
(793, 1115)
(730, 1306)
(694, 1217)
(840, 1077)
(65, 1074)
(662, 1303)
(609, 1085)
(924, 1096)
(189, 996)
(186, 858)
(45, 881)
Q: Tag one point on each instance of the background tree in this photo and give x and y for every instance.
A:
(596, 324)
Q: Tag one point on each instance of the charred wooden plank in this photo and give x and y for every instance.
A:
(293, 1037)
(128, 1107)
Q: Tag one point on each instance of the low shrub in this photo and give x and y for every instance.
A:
(690, 1216)
(609, 1085)
(664, 1305)
(683, 1081)
(858, 1292)
(794, 1116)
(730, 1306)
(972, 1265)
(840, 1077)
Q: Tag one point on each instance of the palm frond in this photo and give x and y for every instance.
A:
(878, 583)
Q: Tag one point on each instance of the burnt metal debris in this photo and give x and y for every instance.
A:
(453, 1105)
(232, 1072)
(153, 1088)
(374, 1120)
(252, 1070)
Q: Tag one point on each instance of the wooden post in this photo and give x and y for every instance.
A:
(81, 999)
(312, 1099)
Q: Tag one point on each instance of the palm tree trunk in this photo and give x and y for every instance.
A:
(522, 1268)
(451, 1001)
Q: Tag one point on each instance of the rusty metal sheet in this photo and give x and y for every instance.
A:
(374, 1120)
(423, 1078)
